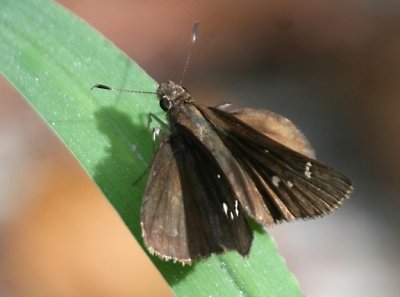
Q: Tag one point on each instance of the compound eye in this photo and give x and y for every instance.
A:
(165, 104)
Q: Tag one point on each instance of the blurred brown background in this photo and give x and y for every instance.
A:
(332, 67)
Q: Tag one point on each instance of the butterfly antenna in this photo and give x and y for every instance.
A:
(195, 28)
(100, 86)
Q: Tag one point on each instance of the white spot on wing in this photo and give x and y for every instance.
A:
(219, 176)
(174, 232)
(232, 217)
(236, 208)
(307, 171)
(276, 180)
(225, 208)
(290, 184)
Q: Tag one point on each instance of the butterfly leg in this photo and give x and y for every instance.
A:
(156, 132)
(160, 121)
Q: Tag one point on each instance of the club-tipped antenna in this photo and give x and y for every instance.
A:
(195, 29)
(100, 86)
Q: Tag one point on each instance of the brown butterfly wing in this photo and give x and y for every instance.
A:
(273, 125)
(189, 207)
(292, 185)
(162, 213)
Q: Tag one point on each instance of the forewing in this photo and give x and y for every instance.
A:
(292, 185)
(189, 207)
(273, 125)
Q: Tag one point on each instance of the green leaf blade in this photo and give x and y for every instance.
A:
(53, 58)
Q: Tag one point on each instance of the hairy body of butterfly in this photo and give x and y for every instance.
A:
(219, 164)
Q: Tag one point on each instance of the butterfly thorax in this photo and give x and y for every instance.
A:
(181, 109)
(171, 93)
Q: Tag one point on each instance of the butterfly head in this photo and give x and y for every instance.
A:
(171, 93)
